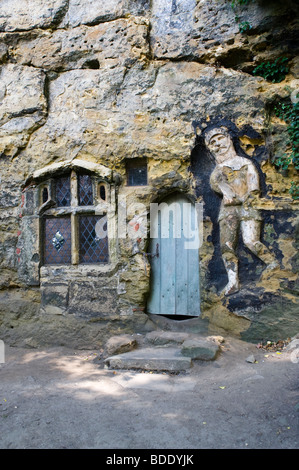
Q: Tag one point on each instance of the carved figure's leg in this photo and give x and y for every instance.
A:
(251, 232)
(229, 228)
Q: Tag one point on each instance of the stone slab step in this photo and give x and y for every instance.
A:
(155, 359)
(166, 338)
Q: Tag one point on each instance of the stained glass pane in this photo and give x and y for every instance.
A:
(57, 240)
(63, 191)
(85, 195)
(93, 239)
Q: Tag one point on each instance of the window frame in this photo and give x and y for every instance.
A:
(136, 163)
(74, 211)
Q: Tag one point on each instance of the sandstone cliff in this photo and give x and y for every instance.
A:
(108, 81)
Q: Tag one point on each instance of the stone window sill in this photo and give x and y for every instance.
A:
(82, 271)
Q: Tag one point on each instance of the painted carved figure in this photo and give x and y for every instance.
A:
(237, 180)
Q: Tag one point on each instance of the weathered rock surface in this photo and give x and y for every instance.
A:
(97, 11)
(205, 31)
(105, 45)
(165, 338)
(23, 106)
(200, 349)
(106, 81)
(29, 14)
(23, 324)
(107, 111)
(210, 30)
(120, 344)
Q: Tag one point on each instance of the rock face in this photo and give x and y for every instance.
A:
(23, 107)
(97, 84)
(30, 14)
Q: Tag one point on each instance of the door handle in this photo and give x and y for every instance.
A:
(152, 255)
(157, 252)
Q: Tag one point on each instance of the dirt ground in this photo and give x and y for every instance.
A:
(58, 398)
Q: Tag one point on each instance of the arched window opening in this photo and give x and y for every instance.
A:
(102, 192)
(45, 195)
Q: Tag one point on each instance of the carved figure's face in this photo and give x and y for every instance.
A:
(220, 146)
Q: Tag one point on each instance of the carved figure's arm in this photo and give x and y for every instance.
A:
(215, 180)
(253, 178)
(253, 183)
(220, 185)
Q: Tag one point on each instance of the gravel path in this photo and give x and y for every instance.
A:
(59, 398)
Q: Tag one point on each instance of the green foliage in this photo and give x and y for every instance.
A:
(289, 112)
(244, 26)
(294, 190)
(283, 162)
(274, 72)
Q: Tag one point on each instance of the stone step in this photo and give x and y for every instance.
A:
(166, 338)
(152, 359)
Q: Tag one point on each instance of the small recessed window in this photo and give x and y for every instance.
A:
(136, 170)
(45, 195)
(103, 192)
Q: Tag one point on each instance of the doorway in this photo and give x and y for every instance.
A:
(174, 248)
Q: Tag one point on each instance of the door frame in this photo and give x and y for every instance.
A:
(192, 264)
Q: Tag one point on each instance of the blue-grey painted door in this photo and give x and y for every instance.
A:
(175, 286)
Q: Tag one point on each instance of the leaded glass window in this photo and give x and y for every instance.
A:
(72, 232)
(85, 190)
(63, 191)
(57, 234)
(93, 239)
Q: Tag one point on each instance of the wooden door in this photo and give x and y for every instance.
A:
(175, 266)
